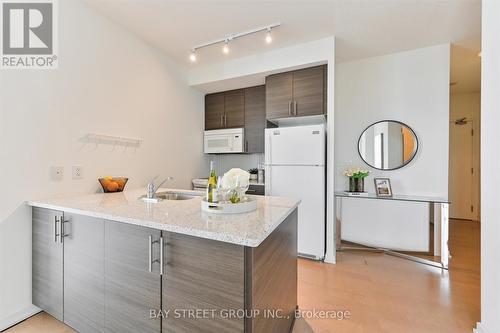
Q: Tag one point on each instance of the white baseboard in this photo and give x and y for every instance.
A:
(18, 317)
(480, 328)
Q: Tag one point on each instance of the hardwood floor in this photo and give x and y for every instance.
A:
(382, 293)
(389, 294)
(40, 323)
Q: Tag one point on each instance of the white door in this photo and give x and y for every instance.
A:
(301, 145)
(308, 184)
(461, 171)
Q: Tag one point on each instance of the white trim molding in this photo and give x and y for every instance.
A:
(19, 317)
(480, 328)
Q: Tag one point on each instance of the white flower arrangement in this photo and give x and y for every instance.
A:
(232, 177)
(356, 173)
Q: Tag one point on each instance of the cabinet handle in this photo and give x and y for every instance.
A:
(150, 254)
(295, 108)
(289, 108)
(161, 255)
(221, 116)
(225, 120)
(62, 231)
(56, 220)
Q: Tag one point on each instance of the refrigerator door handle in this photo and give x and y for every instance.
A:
(268, 161)
(268, 185)
(270, 149)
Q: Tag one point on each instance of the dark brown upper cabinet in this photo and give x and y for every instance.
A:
(225, 110)
(297, 93)
(255, 119)
(234, 109)
(279, 95)
(241, 108)
(214, 111)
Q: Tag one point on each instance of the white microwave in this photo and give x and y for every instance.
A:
(224, 141)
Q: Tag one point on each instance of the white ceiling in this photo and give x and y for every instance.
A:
(363, 28)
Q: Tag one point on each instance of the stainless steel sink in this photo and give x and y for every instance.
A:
(168, 196)
(174, 196)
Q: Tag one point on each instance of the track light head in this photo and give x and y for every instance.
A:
(225, 49)
(269, 38)
(192, 56)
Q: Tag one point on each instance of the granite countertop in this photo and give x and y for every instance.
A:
(180, 216)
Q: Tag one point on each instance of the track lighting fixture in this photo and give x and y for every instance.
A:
(228, 38)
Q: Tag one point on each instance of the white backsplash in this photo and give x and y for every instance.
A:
(225, 162)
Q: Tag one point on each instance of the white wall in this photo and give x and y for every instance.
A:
(251, 70)
(490, 163)
(225, 162)
(108, 82)
(411, 87)
(469, 105)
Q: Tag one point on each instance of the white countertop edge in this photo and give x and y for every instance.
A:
(167, 227)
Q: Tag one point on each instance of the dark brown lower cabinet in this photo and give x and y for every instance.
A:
(221, 287)
(84, 273)
(271, 280)
(132, 290)
(256, 190)
(47, 262)
(106, 276)
(202, 274)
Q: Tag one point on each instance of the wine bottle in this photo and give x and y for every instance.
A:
(212, 184)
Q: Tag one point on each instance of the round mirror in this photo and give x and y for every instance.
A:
(388, 145)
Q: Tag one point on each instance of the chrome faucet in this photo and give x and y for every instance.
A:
(152, 188)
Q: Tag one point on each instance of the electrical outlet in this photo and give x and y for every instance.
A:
(56, 173)
(77, 172)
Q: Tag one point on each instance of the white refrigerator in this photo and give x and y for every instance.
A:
(295, 167)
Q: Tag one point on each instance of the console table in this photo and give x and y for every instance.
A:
(371, 217)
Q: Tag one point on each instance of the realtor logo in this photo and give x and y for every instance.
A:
(28, 34)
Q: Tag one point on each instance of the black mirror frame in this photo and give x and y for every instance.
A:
(393, 121)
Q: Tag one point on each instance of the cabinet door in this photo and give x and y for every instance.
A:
(214, 111)
(131, 290)
(278, 95)
(84, 273)
(256, 190)
(47, 261)
(255, 119)
(309, 91)
(234, 108)
(205, 275)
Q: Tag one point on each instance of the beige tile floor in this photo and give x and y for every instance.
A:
(382, 293)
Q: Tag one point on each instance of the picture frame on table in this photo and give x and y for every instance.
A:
(383, 187)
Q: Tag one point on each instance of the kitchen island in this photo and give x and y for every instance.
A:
(113, 263)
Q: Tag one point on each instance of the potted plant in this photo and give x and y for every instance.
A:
(356, 179)
(234, 185)
(253, 173)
